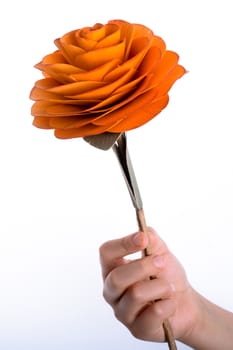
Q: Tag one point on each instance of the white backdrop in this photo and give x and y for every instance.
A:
(61, 199)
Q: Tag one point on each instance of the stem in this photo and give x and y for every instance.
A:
(121, 151)
(142, 227)
(147, 251)
(169, 335)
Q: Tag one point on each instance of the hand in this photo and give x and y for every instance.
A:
(141, 303)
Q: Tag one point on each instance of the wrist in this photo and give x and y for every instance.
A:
(212, 326)
(196, 324)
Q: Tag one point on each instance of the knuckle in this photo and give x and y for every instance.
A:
(144, 267)
(123, 316)
(169, 290)
(112, 280)
(111, 285)
(158, 311)
(126, 245)
(120, 316)
(166, 289)
(135, 293)
(163, 310)
(102, 250)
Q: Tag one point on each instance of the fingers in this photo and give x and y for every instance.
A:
(154, 314)
(113, 252)
(157, 245)
(137, 300)
(124, 276)
(139, 296)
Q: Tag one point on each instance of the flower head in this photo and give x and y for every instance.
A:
(106, 78)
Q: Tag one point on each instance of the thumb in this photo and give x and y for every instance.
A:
(156, 245)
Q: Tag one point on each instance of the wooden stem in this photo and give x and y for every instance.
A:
(120, 149)
(148, 251)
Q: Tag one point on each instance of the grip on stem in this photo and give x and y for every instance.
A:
(166, 324)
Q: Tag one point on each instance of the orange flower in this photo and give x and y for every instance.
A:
(106, 78)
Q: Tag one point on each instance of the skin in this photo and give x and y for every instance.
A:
(195, 321)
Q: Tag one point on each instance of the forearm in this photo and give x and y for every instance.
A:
(213, 329)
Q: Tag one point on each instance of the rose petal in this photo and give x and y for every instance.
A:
(114, 114)
(142, 88)
(69, 122)
(162, 69)
(59, 71)
(46, 83)
(55, 57)
(137, 118)
(103, 106)
(92, 59)
(41, 122)
(69, 51)
(126, 88)
(150, 61)
(95, 33)
(98, 73)
(112, 37)
(68, 38)
(159, 43)
(85, 44)
(77, 88)
(134, 62)
(87, 130)
(39, 95)
(145, 85)
(48, 109)
(103, 91)
(61, 68)
(117, 95)
(167, 83)
(141, 30)
(130, 31)
(127, 34)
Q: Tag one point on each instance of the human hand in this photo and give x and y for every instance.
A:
(140, 303)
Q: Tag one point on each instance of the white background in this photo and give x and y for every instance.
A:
(61, 199)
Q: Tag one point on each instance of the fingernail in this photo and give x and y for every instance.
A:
(158, 261)
(137, 239)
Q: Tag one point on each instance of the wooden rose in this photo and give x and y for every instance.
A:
(101, 82)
